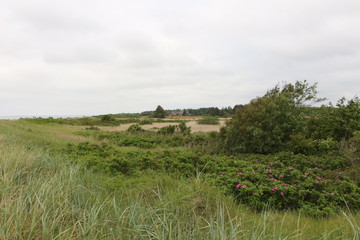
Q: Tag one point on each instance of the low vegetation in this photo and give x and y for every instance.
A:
(279, 169)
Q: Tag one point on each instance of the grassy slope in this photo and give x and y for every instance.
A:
(44, 196)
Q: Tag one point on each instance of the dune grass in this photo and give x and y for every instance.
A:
(43, 195)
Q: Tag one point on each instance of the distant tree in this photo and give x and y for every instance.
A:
(214, 111)
(227, 111)
(159, 112)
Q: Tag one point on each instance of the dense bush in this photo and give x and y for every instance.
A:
(282, 120)
(146, 121)
(339, 122)
(317, 185)
(266, 124)
(135, 128)
(107, 118)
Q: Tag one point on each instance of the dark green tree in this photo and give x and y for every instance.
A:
(336, 122)
(266, 124)
(214, 111)
(159, 112)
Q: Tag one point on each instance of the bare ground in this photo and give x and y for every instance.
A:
(195, 127)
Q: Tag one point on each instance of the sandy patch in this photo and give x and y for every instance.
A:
(195, 127)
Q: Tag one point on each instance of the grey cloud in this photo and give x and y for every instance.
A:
(84, 57)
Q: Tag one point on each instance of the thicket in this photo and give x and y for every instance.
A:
(284, 120)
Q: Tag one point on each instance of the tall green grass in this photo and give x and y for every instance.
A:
(45, 196)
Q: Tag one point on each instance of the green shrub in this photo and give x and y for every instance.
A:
(146, 121)
(300, 144)
(168, 130)
(135, 128)
(107, 118)
(209, 121)
(355, 141)
(183, 128)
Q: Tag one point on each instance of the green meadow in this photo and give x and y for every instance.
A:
(63, 182)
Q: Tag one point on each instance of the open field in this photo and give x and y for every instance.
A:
(52, 190)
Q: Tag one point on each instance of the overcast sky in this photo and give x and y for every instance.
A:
(110, 56)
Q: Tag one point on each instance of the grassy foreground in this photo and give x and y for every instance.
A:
(43, 195)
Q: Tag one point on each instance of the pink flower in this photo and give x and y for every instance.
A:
(244, 186)
(285, 185)
(307, 173)
(317, 181)
(220, 175)
(101, 143)
(339, 180)
(274, 189)
(339, 173)
(237, 186)
(281, 176)
(282, 194)
(239, 173)
(196, 156)
(271, 164)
